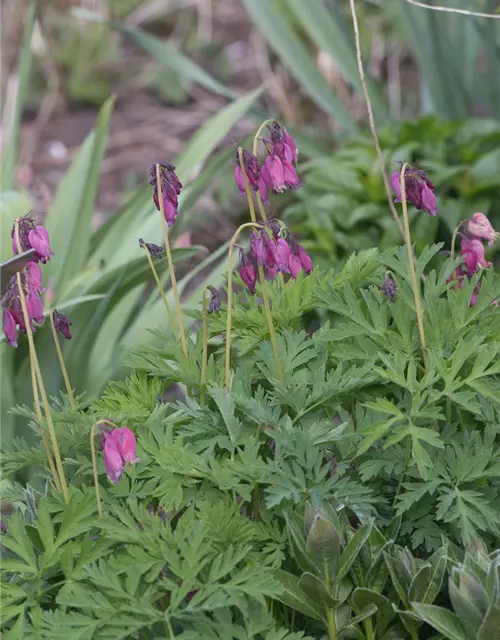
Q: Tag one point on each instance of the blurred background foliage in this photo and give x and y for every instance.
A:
(100, 89)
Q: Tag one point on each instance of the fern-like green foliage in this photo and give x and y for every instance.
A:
(333, 499)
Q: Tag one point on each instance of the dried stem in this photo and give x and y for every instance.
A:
(371, 119)
(173, 279)
(62, 364)
(463, 12)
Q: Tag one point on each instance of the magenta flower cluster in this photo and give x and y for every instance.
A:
(170, 188)
(278, 172)
(29, 235)
(472, 235)
(119, 446)
(275, 254)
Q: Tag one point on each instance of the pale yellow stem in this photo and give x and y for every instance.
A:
(94, 468)
(62, 364)
(173, 279)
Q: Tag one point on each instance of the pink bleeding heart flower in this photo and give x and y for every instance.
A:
(472, 250)
(282, 255)
(113, 460)
(294, 265)
(34, 275)
(126, 444)
(247, 272)
(36, 306)
(419, 190)
(252, 170)
(274, 174)
(9, 328)
(480, 227)
(40, 242)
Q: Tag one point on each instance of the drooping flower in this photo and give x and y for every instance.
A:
(273, 174)
(119, 449)
(39, 241)
(294, 265)
(473, 254)
(170, 187)
(9, 328)
(252, 170)
(113, 460)
(155, 250)
(291, 150)
(299, 259)
(35, 305)
(283, 147)
(34, 275)
(389, 288)
(126, 443)
(247, 271)
(305, 260)
(419, 190)
(214, 304)
(282, 255)
(31, 236)
(25, 225)
(62, 324)
(480, 227)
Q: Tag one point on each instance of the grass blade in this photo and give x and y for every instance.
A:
(328, 36)
(9, 155)
(69, 219)
(296, 58)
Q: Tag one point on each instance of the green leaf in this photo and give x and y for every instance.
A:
(323, 547)
(352, 549)
(69, 219)
(426, 585)
(444, 621)
(164, 52)
(294, 55)
(213, 131)
(326, 31)
(315, 588)
(294, 597)
(490, 629)
(9, 155)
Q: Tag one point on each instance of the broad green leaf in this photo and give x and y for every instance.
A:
(9, 155)
(426, 585)
(444, 621)
(323, 547)
(352, 550)
(490, 629)
(296, 58)
(316, 589)
(294, 597)
(69, 219)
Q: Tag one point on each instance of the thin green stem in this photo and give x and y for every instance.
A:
(369, 632)
(260, 204)
(39, 417)
(407, 462)
(62, 364)
(453, 239)
(230, 295)
(330, 613)
(248, 191)
(256, 137)
(173, 279)
(270, 326)
(411, 264)
(94, 468)
(36, 398)
(169, 627)
(255, 503)
(45, 401)
(170, 315)
(204, 339)
(267, 307)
